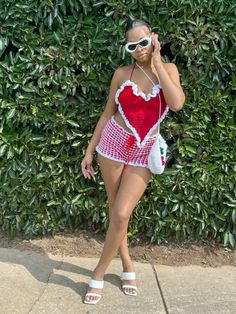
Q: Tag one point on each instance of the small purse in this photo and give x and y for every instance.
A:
(157, 154)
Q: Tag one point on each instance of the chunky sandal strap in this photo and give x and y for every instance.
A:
(96, 283)
(128, 276)
(92, 294)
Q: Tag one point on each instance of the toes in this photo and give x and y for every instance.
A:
(130, 291)
(91, 298)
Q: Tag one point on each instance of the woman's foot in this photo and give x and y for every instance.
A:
(93, 294)
(128, 272)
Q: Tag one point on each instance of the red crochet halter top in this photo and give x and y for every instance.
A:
(140, 111)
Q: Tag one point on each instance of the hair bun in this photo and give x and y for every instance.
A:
(135, 23)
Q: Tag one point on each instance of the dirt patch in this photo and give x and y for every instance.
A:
(89, 244)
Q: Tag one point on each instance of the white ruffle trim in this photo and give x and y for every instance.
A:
(139, 143)
(120, 160)
(155, 90)
(147, 136)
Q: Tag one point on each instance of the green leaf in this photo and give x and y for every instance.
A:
(48, 159)
(234, 216)
(190, 149)
(3, 149)
(226, 238)
(231, 239)
(73, 123)
(11, 113)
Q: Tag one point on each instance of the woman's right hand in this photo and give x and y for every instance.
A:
(86, 166)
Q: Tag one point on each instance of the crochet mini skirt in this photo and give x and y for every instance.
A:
(120, 145)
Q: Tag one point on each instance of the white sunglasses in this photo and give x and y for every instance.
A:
(143, 43)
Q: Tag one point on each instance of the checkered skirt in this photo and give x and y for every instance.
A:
(118, 144)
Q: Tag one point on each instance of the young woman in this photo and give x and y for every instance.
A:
(123, 138)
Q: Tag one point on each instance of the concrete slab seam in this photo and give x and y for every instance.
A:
(39, 297)
(159, 287)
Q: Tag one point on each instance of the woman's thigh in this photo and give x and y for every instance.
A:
(133, 183)
(111, 172)
(124, 185)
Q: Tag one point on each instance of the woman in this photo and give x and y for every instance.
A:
(123, 138)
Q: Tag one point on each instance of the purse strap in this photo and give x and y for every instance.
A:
(158, 130)
(145, 73)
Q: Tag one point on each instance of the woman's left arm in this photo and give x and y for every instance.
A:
(170, 84)
(168, 75)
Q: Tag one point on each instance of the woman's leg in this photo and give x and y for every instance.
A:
(133, 183)
(111, 172)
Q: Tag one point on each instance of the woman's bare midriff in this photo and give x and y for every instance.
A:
(118, 118)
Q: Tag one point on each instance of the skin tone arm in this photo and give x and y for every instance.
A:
(168, 77)
(110, 109)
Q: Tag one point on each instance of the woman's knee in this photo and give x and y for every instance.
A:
(119, 218)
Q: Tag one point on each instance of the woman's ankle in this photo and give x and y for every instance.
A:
(97, 275)
(127, 266)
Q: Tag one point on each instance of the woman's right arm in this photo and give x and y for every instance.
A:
(109, 110)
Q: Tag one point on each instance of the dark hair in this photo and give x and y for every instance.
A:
(134, 23)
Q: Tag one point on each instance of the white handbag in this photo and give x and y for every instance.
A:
(157, 154)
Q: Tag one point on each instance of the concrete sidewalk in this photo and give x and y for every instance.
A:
(43, 283)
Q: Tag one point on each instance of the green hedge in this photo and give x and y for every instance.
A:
(56, 62)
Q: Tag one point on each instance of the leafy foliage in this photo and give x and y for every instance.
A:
(56, 62)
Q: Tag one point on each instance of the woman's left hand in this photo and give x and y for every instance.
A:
(156, 55)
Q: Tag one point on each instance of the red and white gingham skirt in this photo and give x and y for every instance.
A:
(118, 144)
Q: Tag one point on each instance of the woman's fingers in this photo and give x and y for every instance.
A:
(92, 171)
(155, 41)
(87, 170)
(84, 168)
(87, 174)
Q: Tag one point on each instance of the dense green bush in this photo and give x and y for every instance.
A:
(56, 62)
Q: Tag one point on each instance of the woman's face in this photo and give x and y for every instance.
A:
(141, 54)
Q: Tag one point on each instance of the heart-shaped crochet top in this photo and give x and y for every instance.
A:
(140, 111)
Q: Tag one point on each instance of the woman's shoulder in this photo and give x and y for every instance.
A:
(122, 73)
(123, 70)
(170, 66)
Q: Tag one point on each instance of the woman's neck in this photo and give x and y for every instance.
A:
(145, 65)
(148, 66)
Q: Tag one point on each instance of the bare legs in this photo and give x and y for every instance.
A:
(124, 188)
(111, 172)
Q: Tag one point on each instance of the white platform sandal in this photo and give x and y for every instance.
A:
(129, 276)
(94, 284)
